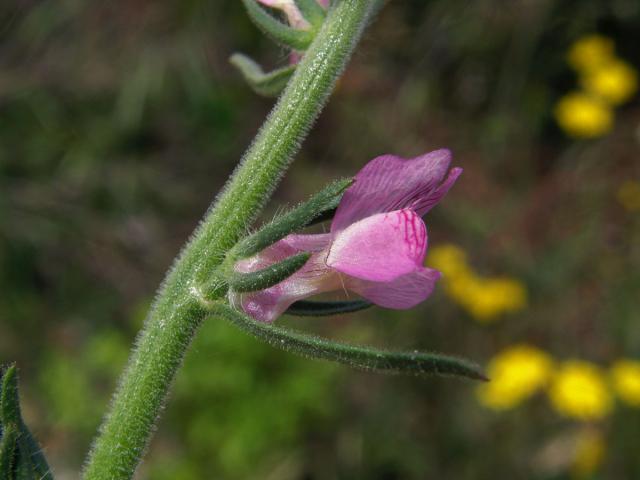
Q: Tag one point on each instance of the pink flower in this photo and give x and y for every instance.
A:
(294, 17)
(377, 242)
(291, 10)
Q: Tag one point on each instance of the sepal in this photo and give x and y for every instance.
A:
(269, 276)
(299, 217)
(266, 84)
(363, 358)
(306, 308)
(20, 456)
(278, 31)
(312, 12)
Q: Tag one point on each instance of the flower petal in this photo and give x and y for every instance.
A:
(287, 247)
(390, 183)
(308, 243)
(268, 304)
(381, 247)
(289, 7)
(404, 292)
(263, 306)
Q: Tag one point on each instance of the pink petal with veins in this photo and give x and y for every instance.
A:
(405, 291)
(381, 247)
(390, 183)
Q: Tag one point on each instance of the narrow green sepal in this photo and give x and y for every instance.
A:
(215, 288)
(266, 84)
(312, 11)
(27, 461)
(293, 220)
(278, 31)
(304, 308)
(323, 217)
(363, 358)
(267, 277)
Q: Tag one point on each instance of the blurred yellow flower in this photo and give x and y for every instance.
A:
(579, 390)
(583, 116)
(625, 377)
(590, 52)
(615, 82)
(629, 195)
(494, 296)
(485, 298)
(449, 259)
(589, 453)
(515, 374)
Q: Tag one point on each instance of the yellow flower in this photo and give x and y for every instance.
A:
(484, 298)
(629, 195)
(449, 259)
(583, 116)
(495, 296)
(462, 287)
(589, 453)
(515, 374)
(625, 377)
(579, 390)
(615, 82)
(590, 52)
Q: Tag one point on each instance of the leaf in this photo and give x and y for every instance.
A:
(267, 277)
(278, 31)
(299, 217)
(266, 84)
(24, 459)
(8, 442)
(304, 308)
(364, 358)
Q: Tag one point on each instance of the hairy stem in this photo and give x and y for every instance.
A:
(178, 311)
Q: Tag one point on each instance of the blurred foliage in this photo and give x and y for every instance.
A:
(120, 121)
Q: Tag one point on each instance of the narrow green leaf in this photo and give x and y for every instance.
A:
(305, 308)
(23, 469)
(33, 457)
(364, 358)
(267, 277)
(278, 31)
(293, 220)
(312, 11)
(266, 84)
(7, 452)
(9, 402)
(30, 463)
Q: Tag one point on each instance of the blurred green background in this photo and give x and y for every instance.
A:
(119, 121)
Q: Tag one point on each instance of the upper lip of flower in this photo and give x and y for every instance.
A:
(389, 183)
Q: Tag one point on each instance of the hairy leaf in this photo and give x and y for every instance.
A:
(365, 358)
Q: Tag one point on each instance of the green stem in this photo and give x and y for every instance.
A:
(178, 310)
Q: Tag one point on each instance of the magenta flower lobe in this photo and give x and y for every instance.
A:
(380, 247)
